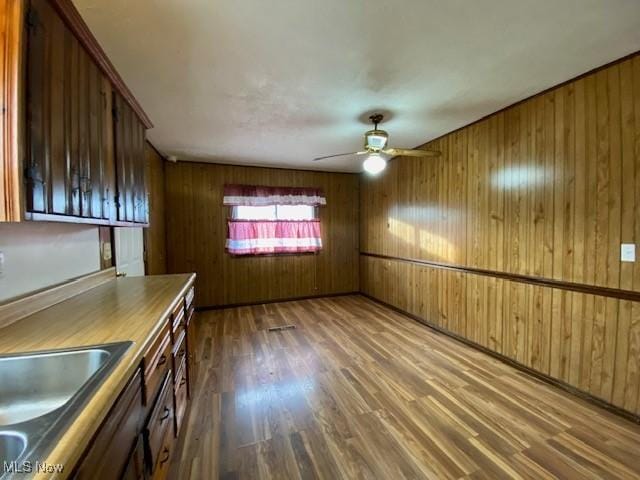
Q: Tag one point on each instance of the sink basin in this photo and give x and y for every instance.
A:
(12, 445)
(34, 385)
(42, 392)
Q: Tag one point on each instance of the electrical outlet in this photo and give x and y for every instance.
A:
(628, 252)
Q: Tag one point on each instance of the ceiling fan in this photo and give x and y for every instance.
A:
(375, 146)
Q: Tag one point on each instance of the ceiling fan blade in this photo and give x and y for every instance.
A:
(339, 155)
(405, 152)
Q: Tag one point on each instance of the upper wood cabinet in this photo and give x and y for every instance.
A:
(80, 147)
(69, 162)
(131, 198)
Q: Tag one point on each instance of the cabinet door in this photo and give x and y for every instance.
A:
(95, 188)
(45, 30)
(130, 159)
(160, 423)
(135, 469)
(192, 367)
(69, 161)
(109, 453)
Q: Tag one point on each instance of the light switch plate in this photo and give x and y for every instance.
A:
(628, 252)
(106, 251)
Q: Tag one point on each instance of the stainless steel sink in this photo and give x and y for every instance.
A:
(42, 392)
(36, 384)
(12, 446)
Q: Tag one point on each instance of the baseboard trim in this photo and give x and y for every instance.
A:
(517, 365)
(277, 300)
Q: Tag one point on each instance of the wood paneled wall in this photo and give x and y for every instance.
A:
(155, 245)
(548, 188)
(197, 229)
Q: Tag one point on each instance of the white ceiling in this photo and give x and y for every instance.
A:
(280, 82)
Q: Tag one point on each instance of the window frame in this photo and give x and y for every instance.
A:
(312, 208)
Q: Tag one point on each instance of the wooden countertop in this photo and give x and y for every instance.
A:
(118, 310)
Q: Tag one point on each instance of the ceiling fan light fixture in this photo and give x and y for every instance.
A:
(375, 139)
(374, 164)
(375, 143)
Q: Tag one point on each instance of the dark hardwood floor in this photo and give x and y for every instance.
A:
(359, 391)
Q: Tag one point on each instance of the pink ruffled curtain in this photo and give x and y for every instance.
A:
(254, 237)
(235, 195)
(260, 237)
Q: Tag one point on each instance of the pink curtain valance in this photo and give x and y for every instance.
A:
(253, 195)
(257, 237)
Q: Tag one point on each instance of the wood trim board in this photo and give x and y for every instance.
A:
(514, 277)
(11, 39)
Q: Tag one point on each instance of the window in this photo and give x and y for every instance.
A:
(272, 220)
(274, 212)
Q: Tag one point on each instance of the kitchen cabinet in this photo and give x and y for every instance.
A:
(135, 469)
(192, 364)
(73, 135)
(108, 455)
(160, 425)
(156, 364)
(138, 437)
(161, 470)
(180, 381)
(179, 358)
(69, 164)
(131, 197)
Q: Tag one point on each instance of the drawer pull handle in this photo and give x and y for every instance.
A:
(183, 381)
(167, 412)
(162, 361)
(166, 456)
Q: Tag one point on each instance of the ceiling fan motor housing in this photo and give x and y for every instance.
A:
(375, 140)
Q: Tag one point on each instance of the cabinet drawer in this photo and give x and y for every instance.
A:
(180, 374)
(188, 298)
(156, 364)
(179, 350)
(180, 396)
(161, 470)
(160, 421)
(109, 452)
(177, 323)
(190, 313)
